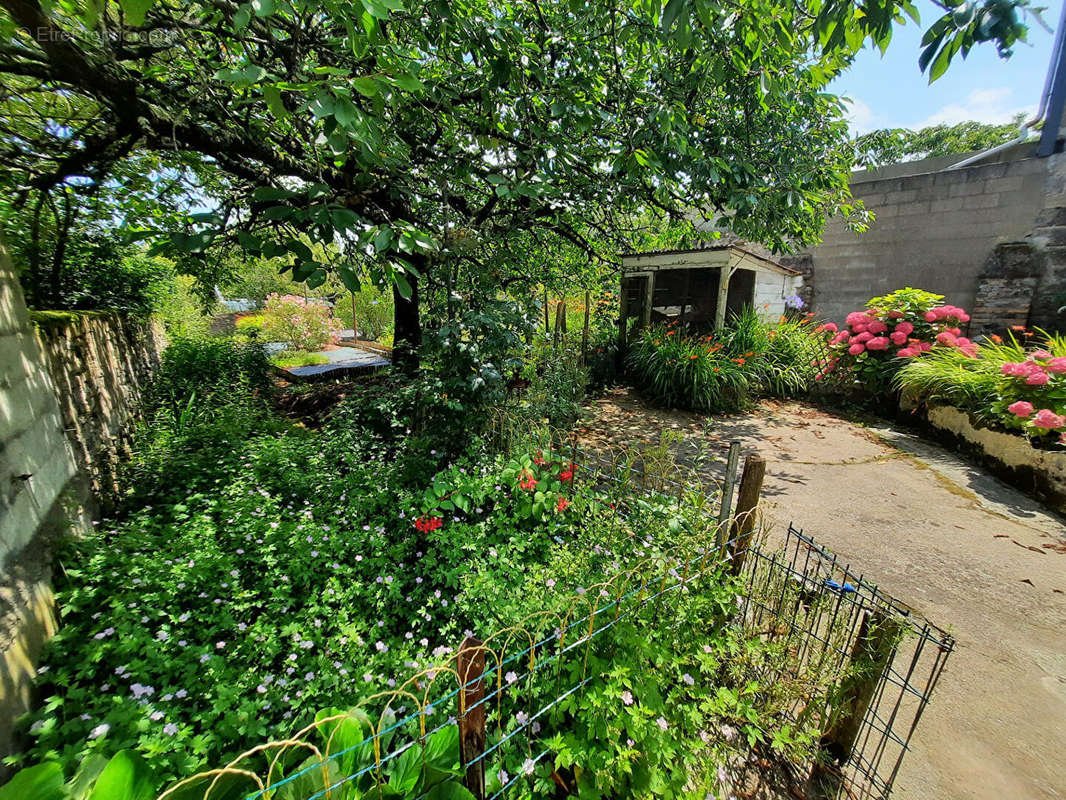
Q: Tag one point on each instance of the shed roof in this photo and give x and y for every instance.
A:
(717, 257)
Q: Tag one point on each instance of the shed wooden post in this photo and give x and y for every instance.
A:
(747, 502)
(724, 274)
(471, 664)
(649, 296)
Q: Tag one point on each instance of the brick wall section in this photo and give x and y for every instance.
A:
(932, 231)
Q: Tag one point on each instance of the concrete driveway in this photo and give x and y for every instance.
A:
(968, 552)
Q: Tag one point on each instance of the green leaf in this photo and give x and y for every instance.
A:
(349, 278)
(242, 18)
(269, 193)
(274, 101)
(367, 87)
(403, 286)
(316, 279)
(383, 240)
(442, 748)
(40, 782)
(408, 82)
(672, 12)
(127, 776)
(263, 8)
(135, 10)
(406, 770)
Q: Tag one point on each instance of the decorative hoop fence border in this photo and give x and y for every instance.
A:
(480, 675)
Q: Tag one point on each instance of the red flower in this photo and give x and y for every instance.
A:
(427, 524)
(562, 504)
(567, 474)
(528, 482)
(539, 460)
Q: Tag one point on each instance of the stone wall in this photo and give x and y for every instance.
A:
(69, 386)
(933, 230)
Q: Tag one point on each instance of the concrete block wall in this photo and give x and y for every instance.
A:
(933, 230)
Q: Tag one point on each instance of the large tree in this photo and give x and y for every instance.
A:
(415, 135)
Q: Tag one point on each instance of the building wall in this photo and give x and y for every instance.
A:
(69, 386)
(933, 230)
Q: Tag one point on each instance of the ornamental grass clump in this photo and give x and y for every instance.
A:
(725, 371)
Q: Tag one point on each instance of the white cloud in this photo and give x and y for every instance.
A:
(993, 106)
(861, 118)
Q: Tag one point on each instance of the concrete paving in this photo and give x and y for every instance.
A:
(342, 359)
(968, 552)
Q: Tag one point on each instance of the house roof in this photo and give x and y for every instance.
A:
(744, 252)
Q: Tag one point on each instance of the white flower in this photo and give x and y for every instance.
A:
(662, 723)
(170, 729)
(510, 677)
(527, 766)
(688, 679)
(99, 730)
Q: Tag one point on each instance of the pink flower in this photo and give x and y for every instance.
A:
(1041, 354)
(1056, 366)
(1014, 369)
(905, 327)
(843, 336)
(1048, 419)
(856, 348)
(858, 328)
(895, 315)
(968, 349)
(1038, 378)
(925, 346)
(1022, 408)
(856, 318)
(865, 336)
(830, 326)
(930, 316)
(946, 338)
(878, 343)
(877, 326)
(898, 337)
(906, 352)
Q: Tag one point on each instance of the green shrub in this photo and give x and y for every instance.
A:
(725, 372)
(298, 323)
(373, 313)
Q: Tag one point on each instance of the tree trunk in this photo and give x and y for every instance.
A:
(407, 327)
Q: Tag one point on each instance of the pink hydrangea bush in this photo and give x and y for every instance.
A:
(300, 323)
(900, 325)
(1032, 394)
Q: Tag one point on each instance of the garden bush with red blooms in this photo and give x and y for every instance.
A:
(900, 325)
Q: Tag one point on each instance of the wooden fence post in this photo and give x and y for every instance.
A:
(728, 484)
(471, 665)
(745, 517)
(871, 655)
(547, 305)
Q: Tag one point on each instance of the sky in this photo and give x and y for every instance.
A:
(890, 92)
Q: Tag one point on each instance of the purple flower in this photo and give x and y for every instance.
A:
(170, 729)
(688, 679)
(662, 723)
(627, 698)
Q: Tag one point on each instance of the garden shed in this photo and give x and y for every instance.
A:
(699, 288)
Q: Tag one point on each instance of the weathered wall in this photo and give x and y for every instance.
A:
(69, 385)
(933, 230)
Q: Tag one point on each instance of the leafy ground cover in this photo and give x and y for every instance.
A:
(261, 572)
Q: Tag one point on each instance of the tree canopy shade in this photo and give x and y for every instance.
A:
(390, 137)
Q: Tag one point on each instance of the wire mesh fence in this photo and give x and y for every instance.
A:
(829, 618)
(486, 721)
